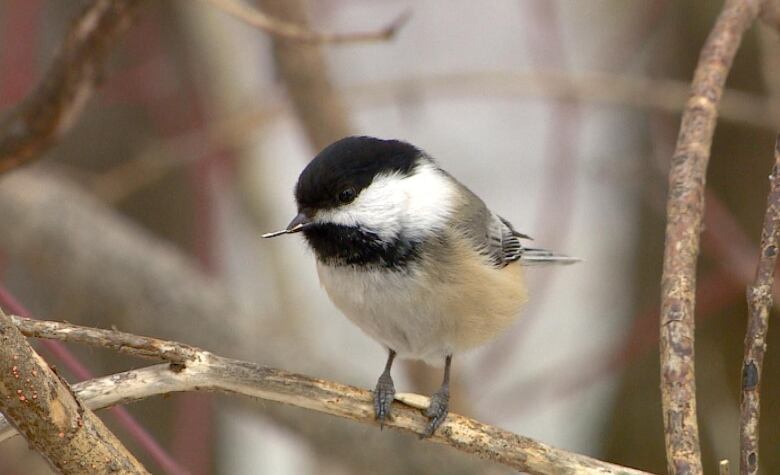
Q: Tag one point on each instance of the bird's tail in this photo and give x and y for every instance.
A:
(540, 257)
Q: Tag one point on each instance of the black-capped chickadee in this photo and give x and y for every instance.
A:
(410, 255)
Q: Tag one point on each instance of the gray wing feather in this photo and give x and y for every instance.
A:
(496, 238)
(513, 249)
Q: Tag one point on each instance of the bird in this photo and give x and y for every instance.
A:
(411, 256)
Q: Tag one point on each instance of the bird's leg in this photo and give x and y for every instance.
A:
(440, 401)
(384, 392)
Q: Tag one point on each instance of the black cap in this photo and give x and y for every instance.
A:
(351, 164)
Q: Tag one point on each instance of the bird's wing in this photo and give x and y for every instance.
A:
(495, 237)
(512, 249)
(508, 247)
(492, 236)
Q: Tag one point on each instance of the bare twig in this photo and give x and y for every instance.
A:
(759, 298)
(42, 407)
(123, 342)
(299, 32)
(51, 109)
(685, 208)
(196, 369)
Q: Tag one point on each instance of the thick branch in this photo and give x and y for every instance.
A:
(759, 298)
(685, 207)
(42, 407)
(295, 32)
(51, 109)
(197, 370)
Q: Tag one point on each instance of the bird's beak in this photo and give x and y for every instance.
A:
(299, 223)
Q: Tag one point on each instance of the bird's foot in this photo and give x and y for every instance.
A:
(437, 411)
(383, 398)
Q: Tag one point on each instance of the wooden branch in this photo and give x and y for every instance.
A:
(198, 370)
(685, 207)
(52, 108)
(301, 33)
(41, 406)
(759, 298)
(123, 342)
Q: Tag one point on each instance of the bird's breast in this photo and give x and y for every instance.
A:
(422, 314)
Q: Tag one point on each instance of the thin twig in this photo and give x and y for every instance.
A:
(291, 31)
(685, 208)
(199, 370)
(759, 299)
(51, 109)
(141, 346)
(43, 408)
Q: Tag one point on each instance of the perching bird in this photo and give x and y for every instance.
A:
(410, 255)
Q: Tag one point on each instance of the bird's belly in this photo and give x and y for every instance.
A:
(423, 318)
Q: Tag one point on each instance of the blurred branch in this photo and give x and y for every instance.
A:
(317, 103)
(662, 94)
(759, 299)
(194, 369)
(685, 208)
(52, 108)
(43, 408)
(665, 95)
(299, 32)
(770, 14)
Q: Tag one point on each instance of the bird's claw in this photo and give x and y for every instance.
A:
(437, 411)
(383, 399)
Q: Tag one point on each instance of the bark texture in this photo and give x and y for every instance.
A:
(44, 410)
(685, 208)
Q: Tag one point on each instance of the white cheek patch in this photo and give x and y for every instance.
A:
(393, 205)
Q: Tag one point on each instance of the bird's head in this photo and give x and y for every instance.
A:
(387, 189)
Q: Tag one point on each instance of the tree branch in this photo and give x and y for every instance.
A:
(198, 370)
(301, 33)
(759, 298)
(122, 342)
(42, 407)
(685, 207)
(51, 109)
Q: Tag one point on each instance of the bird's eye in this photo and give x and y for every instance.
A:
(347, 195)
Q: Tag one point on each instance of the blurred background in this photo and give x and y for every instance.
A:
(562, 115)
